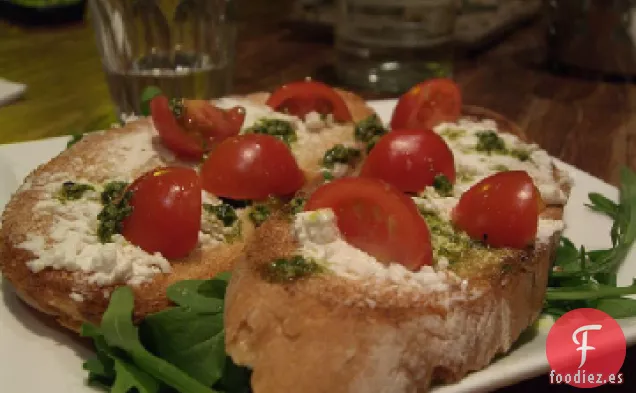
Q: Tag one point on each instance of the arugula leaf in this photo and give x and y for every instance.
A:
(181, 348)
(583, 278)
(147, 95)
(117, 328)
(617, 307)
(625, 228)
(75, 137)
(235, 379)
(589, 292)
(119, 332)
(101, 368)
(192, 341)
(129, 377)
(602, 204)
(199, 295)
(191, 336)
(224, 276)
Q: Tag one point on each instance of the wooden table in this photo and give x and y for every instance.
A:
(587, 123)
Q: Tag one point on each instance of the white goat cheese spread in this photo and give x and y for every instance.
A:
(472, 165)
(320, 239)
(311, 133)
(73, 244)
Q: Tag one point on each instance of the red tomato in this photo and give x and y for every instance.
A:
(428, 104)
(410, 159)
(212, 123)
(172, 134)
(251, 166)
(502, 210)
(166, 215)
(378, 219)
(300, 98)
(201, 125)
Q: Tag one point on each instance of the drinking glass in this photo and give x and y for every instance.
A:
(596, 36)
(392, 45)
(183, 47)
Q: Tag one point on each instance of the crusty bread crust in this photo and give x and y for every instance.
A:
(91, 160)
(330, 334)
(49, 289)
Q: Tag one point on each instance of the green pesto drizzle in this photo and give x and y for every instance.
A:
(290, 269)
(71, 191)
(369, 131)
(297, 205)
(339, 154)
(521, 155)
(259, 214)
(278, 128)
(116, 208)
(224, 212)
(442, 185)
(453, 133)
(489, 142)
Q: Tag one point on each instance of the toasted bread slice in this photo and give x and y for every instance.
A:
(78, 295)
(330, 332)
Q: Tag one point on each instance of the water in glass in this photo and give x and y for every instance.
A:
(391, 45)
(184, 47)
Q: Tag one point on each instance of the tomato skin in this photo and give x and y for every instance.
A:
(377, 218)
(300, 98)
(172, 135)
(410, 159)
(201, 126)
(251, 166)
(214, 124)
(428, 104)
(502, 210)
(166, 216)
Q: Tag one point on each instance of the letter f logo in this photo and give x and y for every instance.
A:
(583, 344)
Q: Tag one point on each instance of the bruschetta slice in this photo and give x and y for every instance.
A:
(345, 298)
(62, 257)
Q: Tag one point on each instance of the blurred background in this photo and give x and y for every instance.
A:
(562, 69)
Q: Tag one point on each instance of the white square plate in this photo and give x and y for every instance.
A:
(37, 357)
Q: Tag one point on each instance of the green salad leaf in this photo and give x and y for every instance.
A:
(128, 376)
(203, 295)
(192, 341)
(582, 278)
(147, 95)
(76, 137)
(181, 348)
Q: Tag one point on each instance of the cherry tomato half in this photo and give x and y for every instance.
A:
(378, 219)
(166, 215)
(214, 124)
(251, 166)
(301, 98)
(502, 210)
(410, 159)
(428, 104)
(198, 128)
